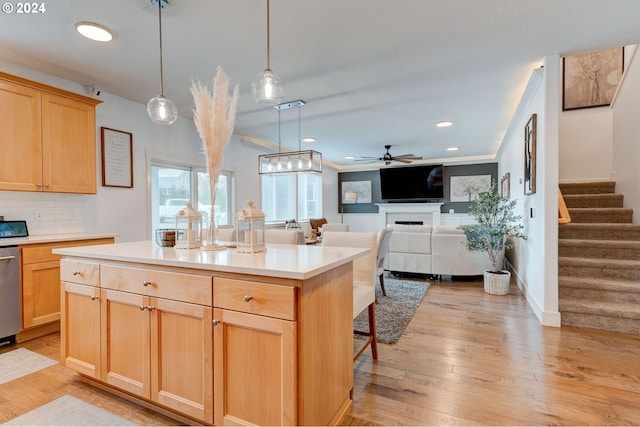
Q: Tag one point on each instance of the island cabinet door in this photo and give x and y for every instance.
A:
(80, 328)
(125, 340)
(182, 357)
(255, 369)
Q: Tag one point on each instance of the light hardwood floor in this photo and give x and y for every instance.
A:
(466, 358)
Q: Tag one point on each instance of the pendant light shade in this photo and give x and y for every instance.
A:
(267, 87)
(161, 109)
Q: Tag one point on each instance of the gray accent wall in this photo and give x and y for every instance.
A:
(374, 177)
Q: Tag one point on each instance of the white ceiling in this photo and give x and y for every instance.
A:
(373, 72)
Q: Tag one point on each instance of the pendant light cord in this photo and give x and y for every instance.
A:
(268, 39)
(160, 27)
(279, 141)
(299, 137)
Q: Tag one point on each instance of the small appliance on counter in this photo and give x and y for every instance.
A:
(10, 279)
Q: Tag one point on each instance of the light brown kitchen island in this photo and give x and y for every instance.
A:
(214, 337)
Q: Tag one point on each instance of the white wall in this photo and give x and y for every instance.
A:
(534, 261)
(626, 136)
(125, 211)
(587, 139)
(586, 144)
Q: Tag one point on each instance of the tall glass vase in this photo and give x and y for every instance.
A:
(210, 238)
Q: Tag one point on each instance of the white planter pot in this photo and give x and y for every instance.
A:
(497, 283)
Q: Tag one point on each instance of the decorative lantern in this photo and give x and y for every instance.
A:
(250, 229)
(188, 226)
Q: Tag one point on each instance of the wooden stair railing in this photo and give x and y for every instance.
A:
(563, 212)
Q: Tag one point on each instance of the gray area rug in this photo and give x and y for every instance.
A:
(68, 411)
(20, 362)
(394, 311)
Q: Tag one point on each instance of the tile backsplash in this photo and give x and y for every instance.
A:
(46, 213)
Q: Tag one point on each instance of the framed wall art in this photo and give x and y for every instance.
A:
(505, 185)
(530, 156)
(356, 192)
(117, 158)
(466, 188)
(591, 79)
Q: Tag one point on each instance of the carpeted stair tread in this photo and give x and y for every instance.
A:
(600, 284)
(601, 215)
(599, 187)
(597, 267)
(592, 231)
(627, 311)
(594, 200)
(601, 263)
(599, 248)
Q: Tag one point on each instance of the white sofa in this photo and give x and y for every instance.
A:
(410, 249)
(439, 250)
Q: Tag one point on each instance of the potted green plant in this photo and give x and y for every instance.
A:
(495, 228)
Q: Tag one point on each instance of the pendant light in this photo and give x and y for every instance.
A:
(290, 162)
(161, 109)
(267, 88)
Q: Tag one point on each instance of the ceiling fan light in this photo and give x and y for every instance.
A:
(94, 31)
(162, 110)
(267, 88)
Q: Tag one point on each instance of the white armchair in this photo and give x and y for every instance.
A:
(384, 237)
(335, 226)
(287, 237)
(364, 280)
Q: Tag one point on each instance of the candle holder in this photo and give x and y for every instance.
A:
(188, 227)
(250, 229)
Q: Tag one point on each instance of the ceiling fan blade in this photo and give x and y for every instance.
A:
(407, 156)
(401, 160)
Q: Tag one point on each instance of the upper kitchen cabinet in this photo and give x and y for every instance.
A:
(48, 138)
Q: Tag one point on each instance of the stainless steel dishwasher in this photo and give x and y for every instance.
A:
(10, 280)
(9, 294)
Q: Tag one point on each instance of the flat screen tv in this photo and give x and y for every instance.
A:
(412, 183)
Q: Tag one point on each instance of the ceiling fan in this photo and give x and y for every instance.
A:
(387, 158)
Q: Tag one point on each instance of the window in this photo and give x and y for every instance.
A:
(286, 197)
(172, 185)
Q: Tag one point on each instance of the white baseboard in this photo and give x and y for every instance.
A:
(546, 318)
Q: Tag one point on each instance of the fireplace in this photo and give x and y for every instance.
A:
(425, 213)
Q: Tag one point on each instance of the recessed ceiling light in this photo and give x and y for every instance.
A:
(452, 149)
(94, 31)
(444, 124)
(350, 157)
(308, 139)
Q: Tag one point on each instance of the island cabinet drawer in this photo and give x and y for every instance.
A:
(254, 297)
(84, 273)
(185, 287)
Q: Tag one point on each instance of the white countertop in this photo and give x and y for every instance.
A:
(287, 261)
(48, 238)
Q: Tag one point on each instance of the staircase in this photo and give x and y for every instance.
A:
(599, 260)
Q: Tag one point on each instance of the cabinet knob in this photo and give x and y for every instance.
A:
(146, 283)
(215, 322)
(93, 298)
(248, 298)
(142, 307)
(39, 185)
(46, 185)
(150, 307)
(75, 273)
